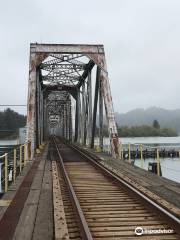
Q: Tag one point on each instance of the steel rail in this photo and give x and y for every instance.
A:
(86, 234)
(173, 220)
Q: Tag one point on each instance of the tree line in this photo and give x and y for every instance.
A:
(142, 131)
(10, 122)
(146, 131)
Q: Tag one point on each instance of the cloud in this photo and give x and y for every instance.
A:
(141, 40)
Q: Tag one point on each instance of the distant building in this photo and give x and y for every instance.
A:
(22, 135)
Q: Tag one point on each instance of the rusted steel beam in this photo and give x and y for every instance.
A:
(58, 88)
(66, 48)
(66, 77)
(100, 115)
(34, 61)
(89, 92)
(76, 119)
(100, 60)
(83, 115)
(79, 117)
(89, 67)
(95, 105)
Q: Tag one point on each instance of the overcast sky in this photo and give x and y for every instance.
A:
(141, 40)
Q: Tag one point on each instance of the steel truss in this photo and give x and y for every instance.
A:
(57, 73)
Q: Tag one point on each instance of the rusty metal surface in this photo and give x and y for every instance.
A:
(66, 48)
(11, 217)
(69, 67)
(108, 102)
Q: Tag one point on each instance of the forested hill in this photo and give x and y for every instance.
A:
(139, 117)
(10, 121)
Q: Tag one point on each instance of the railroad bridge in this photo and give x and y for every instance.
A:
(56, 185)
(60, 76)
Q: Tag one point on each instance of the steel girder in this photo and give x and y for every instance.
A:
(65, 69)
(59, 114)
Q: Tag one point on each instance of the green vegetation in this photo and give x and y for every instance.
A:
(156, 124)
(10, 121)
(146, 131)
(142, 131)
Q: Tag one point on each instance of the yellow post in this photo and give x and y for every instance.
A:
(25, 155)
(6, 172)
(20, 158)
(129, 148)
(121, 152)
(158, 163)
(14, 165)
(142, 161)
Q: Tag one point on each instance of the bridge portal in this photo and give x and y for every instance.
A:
(68, 89)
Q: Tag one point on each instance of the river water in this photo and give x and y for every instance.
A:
(8, 142)
(170, 166)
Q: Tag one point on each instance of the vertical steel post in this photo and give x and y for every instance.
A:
(100, 60)
(95, 106)
(114, 141)
(64, 130)
(41, 114)
(44, 118)
(35, 60)
(31, 125)
(67, 118)
(70, 121)
(86, 114)
(77, 117)
(89, 108)
(37, 111)
(64, 120)
(83, 115)
(100, 116)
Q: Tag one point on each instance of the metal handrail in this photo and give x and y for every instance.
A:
(16, 159)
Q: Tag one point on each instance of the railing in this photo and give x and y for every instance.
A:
(131, 152)
(157, 152)
(11, 165)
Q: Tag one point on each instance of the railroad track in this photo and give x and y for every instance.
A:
(95, 204)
